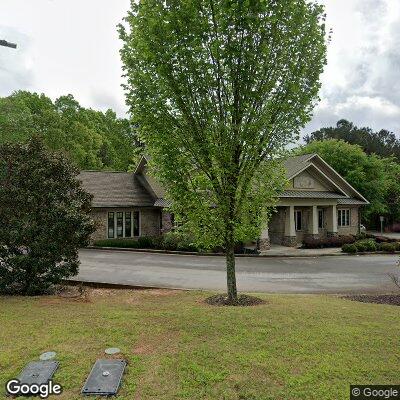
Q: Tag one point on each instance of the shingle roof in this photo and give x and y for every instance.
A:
(311, 194)
(295, 164)
(350, 201)
(115, 189)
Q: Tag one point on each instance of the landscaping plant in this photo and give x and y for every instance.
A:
(44, 218)
(217, 90)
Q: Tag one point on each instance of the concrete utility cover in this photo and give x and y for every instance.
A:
(38, 372)
(49, 355)
(112, 350)
(104, 378)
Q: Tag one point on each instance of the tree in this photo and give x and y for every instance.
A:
(44, 218)
(217, 89)
(91, 139)
(382, 143)
(376, 178)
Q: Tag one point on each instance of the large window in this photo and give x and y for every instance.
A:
(120, 224)
(136, 223)
(111, 225)
(321, 219)
(298, 220)
(343, 217)
(128, 224)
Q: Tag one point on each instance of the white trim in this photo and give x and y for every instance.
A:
(308, 164)
(340, 177)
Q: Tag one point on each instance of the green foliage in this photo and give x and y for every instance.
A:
(123, 243)
(92, 139)
(377, 179)
(366, 245)
(218, 89)
(388, 247)
(382, 143)
(44, 218)
(350, 248)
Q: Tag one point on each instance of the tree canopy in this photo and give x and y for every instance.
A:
(382, 143)
(92, 139)
(376, 178)
(44, 218)
(217, 89)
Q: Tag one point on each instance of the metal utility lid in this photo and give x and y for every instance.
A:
(104, 378)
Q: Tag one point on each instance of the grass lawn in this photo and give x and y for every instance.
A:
(294, 347)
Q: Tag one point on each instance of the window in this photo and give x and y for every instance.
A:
(120, 224)
(110, 225)
(298, 220)
(136, 223)
(343, 217)
(321, 219)
(128, 224)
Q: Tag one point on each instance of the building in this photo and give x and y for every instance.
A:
(318, 202)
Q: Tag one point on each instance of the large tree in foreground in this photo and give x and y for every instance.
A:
(218, 88)
(44, 218)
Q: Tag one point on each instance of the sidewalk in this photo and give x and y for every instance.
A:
(282, 251)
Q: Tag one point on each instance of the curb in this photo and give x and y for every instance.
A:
(192, 253)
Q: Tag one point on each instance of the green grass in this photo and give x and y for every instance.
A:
(294, 347)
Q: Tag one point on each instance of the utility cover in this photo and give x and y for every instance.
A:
(105, 377)
(38, 372)
(112, 350)
(49, 355)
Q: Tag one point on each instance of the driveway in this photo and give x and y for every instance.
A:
(333, 274)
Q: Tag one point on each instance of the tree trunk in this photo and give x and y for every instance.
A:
(230, 269)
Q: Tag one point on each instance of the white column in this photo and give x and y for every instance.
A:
(332, 220)
(290, 228)
(313, 221)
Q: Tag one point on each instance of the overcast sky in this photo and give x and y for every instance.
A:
(71, 46)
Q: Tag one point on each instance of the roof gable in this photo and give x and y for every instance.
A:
(115, 189)
(313, 162)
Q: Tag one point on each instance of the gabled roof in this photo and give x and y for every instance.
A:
(115, 189)
(297, 164)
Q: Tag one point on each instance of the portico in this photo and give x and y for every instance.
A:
(317, 203)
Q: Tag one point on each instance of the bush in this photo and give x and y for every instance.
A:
(145, 242)
(388, 247)
(366, 245)
(349, 248)
(126, 243)
(44, 214)
(334, 241)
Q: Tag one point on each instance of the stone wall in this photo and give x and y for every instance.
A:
(353, 228)
(149, 221)
(167, 223)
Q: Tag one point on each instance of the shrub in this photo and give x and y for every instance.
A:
(44, 214)
(349, 248)
(366, 245)
(397, 246)
(126, 243)
(145, 242)
(171, 241)
(388, 247)
(334, 241)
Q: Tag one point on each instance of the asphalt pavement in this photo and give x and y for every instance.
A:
(332, 274)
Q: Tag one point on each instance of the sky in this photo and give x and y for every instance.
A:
(72, 46)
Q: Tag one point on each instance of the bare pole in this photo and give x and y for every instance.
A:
(8, 44)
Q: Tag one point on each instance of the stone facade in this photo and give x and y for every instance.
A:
(149, 220)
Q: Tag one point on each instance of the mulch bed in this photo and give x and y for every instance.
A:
(243, 300)
(391, 299)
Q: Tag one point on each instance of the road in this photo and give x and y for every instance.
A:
(334, 274)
